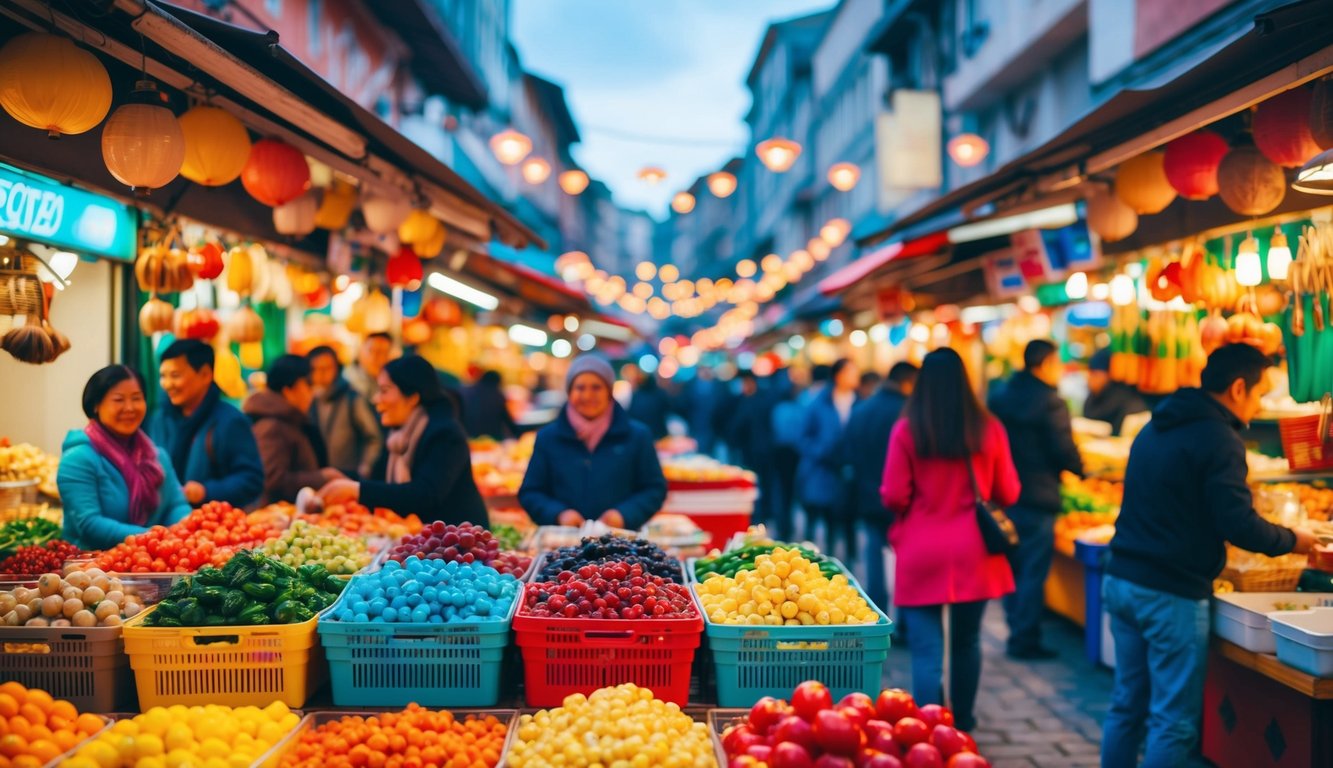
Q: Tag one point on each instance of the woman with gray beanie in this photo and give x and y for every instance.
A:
(593, 462)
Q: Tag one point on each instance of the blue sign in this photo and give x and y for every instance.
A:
(40, 209)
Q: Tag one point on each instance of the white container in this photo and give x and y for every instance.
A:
(1305, 640)
(1242, 617)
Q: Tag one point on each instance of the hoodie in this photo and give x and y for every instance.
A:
(97, 501)
(290, 459)
(1185, 497)
(1040, 438)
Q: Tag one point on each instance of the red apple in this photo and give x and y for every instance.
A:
(760, 752)
(743, 761)
(883, 760)
(860, 702)
(970, 743)
(855, 714)
(879, 736)
(934, 714)
(836, 733)
(789, 755)
(793, 730)
(833, 761)
(909, 731)
(766, 713)
(893, 704)
(809, 698)
(738, 738)
(948, 740)
(968, 760)
(923, 756)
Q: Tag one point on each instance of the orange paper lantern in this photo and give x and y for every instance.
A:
(1110, 218)
(48, 82)
(276, 172)
(1141, 183)
(217, 146)
(1191, 164)
(1250, 183)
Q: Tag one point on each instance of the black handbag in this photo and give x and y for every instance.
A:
(997, 531)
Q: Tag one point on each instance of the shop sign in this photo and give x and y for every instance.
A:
(1049, 254)
(37, 208)
(1004, 274)
(907, 142)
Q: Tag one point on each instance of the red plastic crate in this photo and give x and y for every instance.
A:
(565, 656)
(1303, 446)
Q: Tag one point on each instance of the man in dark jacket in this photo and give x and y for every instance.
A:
(289, 444)
(867, 441)
(209, 441)
(1185, 497)
(650, 405)
(1109, 401)
(1042, 445)
(752, 437)
(486, 410)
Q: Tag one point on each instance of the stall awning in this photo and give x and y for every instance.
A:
(437, 58)
(867, 265)
(1286, 46)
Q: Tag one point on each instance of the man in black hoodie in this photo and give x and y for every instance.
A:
(1185, 497)
(1042, 445)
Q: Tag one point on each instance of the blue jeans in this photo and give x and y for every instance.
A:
(1031, 564)
(925, 638)
(1161, 649)
(873, 543)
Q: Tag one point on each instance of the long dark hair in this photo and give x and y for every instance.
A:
(943, 412)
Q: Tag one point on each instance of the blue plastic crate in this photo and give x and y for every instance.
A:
(434, 665)
(751, 662)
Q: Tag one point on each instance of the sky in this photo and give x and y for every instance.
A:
(659, 69)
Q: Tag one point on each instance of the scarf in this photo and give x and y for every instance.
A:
(183, 439)
(402, 445)
(590, 431)
(136, 460)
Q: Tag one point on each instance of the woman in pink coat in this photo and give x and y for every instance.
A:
(942, 563)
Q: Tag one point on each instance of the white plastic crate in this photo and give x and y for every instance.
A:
(1242, 617)
(1305, 640)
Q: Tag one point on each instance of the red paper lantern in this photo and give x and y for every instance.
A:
(404, 269)
(276, 172)
(205, 260)
(443, 312)
(1282, 128)
(1191, 164)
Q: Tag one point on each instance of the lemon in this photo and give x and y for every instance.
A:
(179, 736)
(149, 745)
(150, 762)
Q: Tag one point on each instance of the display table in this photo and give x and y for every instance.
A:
(1259, 711)
(1065, 585)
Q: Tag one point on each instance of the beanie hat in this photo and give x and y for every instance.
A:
(590, 363)
(1101, 360)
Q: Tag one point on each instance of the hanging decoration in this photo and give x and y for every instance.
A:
(372, 313)
(205, 260)
(384, 213)
(778, 154)
(844, 176)
(163, 269)
(245, 326)
(431, 248)
(1109, 217)
(217, 146)
(1281, 128)
(297, 218)
(573, 182)
(227, 372)
(142, 143)
(403, 270)
(412, 299)
(835, 232)
(156, 316)
(417, 332)
(1141, 183)
(968, 149)
(1321, 113)
(49, 83)
(721, 184)
(1191, 163)
(652, 174)
(240, 270)
(536, 170)
(419, 227)
(275, 173)
(510, 146)
(336, 205)
(682, 203)
(1249, 182)
(198, 323)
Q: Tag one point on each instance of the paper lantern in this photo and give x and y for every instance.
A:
(1321, 113)
(1281, 128)
(245, 326)
(336, 205)
(205, 260)
(536, 170)
(403, 269)
(721, 184)
(385, 213)
(217, 146)
(252, 355)
(1110, 218)
(573, 182)
(432, 247)
(297, 218)
(48, 82)
(652, 174)
(441, 311)
(142, 143)
(375, 311)
(1141, 183)
(275, 173)
(417, 332)
(1250, 183)
(778, 154)
(510, 146)
(1191, 164)
(419, 227)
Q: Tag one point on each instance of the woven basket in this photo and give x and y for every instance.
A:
(1283, 579)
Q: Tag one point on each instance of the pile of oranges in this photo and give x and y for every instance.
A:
(36, 729)
(412, 738)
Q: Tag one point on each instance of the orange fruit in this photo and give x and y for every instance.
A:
(62, 708)
(13, 745)
(9, 706)
(15, 689)
(41, 698)
(67, 740)
(20, 727)
(45, 750)
(27, 761)
(88, 724)
(33, 713)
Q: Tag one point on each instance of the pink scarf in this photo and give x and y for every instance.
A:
(590, 431)
(402, 445)
(136, 460)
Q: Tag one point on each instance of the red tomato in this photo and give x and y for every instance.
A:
(894, 704)
(810, 698)
(837, 733)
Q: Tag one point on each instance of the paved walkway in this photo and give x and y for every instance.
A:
(1045, 714)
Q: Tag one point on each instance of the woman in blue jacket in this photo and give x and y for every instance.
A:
(593, 462)
(114, 482)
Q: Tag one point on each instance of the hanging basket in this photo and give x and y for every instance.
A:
(27, 334)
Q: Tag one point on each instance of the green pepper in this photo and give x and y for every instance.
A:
(235, 602)
(287, 611)
(255, 614)
(167, 621)
(210, 577)
(212, 596)
(214, 620)
(264, 593)
(179, 590)
(312, 573)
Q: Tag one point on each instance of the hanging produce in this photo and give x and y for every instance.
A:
(417, 332)
(25, 309)
(275, 172)
(156, 316)
(245, 326)
(205, 260)
(1281, 128)
(1249, 183)
(1110, 218)
(431, 248)
(163, 269)
(1141, 183)
(198, 323)
(142, 143)
(336, 205)
(1191, 163)
(252, 355)
(240, 270)
(217, 146)
(1308, 337)
(49, 83)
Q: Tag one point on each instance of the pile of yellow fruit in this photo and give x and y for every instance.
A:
(784, 588)
(620, 727)
(188, 737)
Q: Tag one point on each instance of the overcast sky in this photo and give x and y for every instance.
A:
(670, 69)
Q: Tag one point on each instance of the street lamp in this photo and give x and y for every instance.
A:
(510, 146)
(573, 182)
(968, 149)
(721, 184)
(844, 176)
(682, 203)
(778, 154)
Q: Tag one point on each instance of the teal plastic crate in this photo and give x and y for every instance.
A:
(751, 662)
(434, 665)
(691, 578)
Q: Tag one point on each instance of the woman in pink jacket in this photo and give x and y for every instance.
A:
(942, 563)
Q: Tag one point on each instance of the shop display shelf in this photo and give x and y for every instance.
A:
(1243, 617)
(232, 666)
(381, 664)
(1305, 640)
(273, 758)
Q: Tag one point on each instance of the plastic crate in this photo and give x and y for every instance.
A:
(1242, 617)
(86, 665)
(273, 758)
(718, 721)
(1305, 640)
(434, 665)
(691, 578)
(232, 666)
(563, 656)
(539, 562)
(751, 662)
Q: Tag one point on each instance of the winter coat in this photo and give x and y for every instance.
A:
(351, 432)
(1113, 404)
(1185, 496)
(486, 413)
(822, 475)
(442, 487)
(282, 433)
(941, 557)
(1037, 422)
(97, 500)
(867, 443)
(214, 447)
(650, 406)
(622, 474)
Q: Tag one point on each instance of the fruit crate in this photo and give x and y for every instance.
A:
(692, 579)
(273, 758)
(434, 665)
(718, 721)
(232, 666)
(539, 562)
(86, 665)
(151, 587)
(106, 723)
(562, 656)
(700, 714)
(750, 662)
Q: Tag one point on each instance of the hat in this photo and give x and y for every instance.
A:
(590, 363)
(1101, 360)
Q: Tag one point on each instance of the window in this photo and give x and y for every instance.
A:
(314, 31)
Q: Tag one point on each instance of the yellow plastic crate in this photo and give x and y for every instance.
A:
(232, 666)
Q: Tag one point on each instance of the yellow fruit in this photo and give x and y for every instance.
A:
(180, 758)
(179, 736)
(150, 762)
(149, 745)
